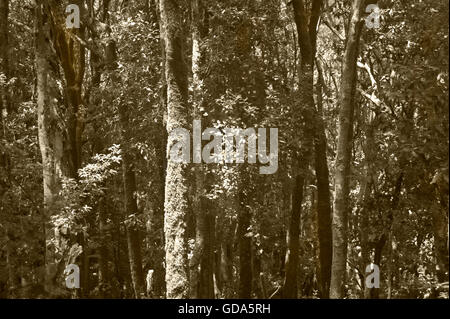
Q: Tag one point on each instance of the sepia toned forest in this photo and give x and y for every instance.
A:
(357, 207)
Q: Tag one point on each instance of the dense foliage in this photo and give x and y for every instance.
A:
(245, 68)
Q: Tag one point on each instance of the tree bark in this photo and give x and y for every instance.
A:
(292, 254)
(343, 155)
(4, 60)
(176, 189)
(244, 238)
(440, 228)
(224, 272)
(71, 56)
(202, 261)
(4, 156)
(50, 132)
(131, 209)
(364, 201)
(323, 195)
(303, 116)
(158, 286)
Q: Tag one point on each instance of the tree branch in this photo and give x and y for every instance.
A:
(333, 29)
(366, 67)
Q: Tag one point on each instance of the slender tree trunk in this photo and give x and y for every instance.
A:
(343, 155)
(103, 273)
(131, 213)
(365, 199)
(290, 280)
(4, 60)
(131, 208)
(375, 292)
(440, 230)
(176, 190)
(134, 255)
(201, 270)
(104, 278)
(225, 265)
(157, 289)
(303, 115)
(323, 195)
(389, 266)
(202, 261)
(217, 279)
(258, 283)
(244, 239)
(386, 237)
(4, 108)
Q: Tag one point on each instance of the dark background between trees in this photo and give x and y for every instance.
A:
(363, 137)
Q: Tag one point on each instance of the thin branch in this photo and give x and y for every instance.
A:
(366, 67)
(371, 97)
(333, 29)
(276, 291)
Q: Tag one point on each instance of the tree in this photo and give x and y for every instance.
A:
(202, 260)
(51, 136)
(4, 64)
(176, 191)
(305, 113)
(131, 209)
(344, 151)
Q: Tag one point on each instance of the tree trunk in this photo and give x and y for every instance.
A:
(4, 156)
(343, 155)
(51, 137)
(375, 292)
(290, 280)
(389, 266)
(323, 195)
(225, 263)
(303, 115)
(202, 261)
(440, 229)
(59, 135)
(440, 232)
(103, 271)
(131, 208)
(71, 56)
(4, 60)
(176, 190)
(244, 238)
(365, 199)
(159, 284)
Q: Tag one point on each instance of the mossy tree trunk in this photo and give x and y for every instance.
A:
(176, 185)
